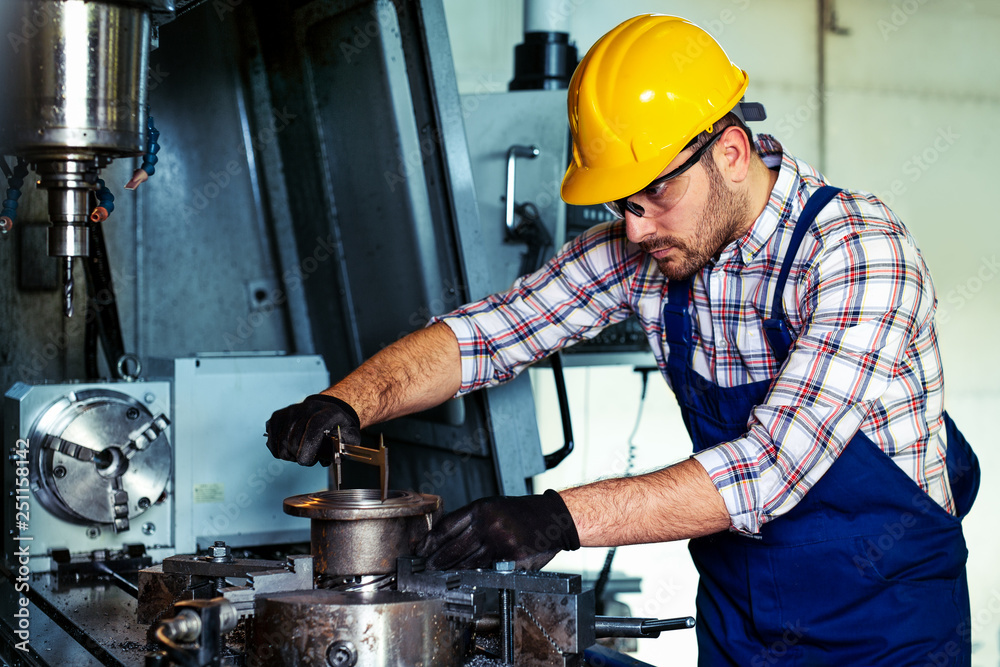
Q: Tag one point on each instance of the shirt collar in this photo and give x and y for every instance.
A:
(779, 205)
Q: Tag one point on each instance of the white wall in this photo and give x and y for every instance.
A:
(913, 95)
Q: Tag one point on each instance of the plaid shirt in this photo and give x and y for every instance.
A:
(859, 303)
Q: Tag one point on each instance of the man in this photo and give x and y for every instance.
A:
(795, 324)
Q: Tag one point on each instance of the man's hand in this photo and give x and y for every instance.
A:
(529, 530)
(299, 432)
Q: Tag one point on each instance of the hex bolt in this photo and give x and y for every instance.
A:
(132, 413)
(220, 552)
(341, 654)
(148, 528)
(144, 503)
(59, 472)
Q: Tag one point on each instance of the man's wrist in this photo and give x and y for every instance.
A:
(563, 519)
(347, 407)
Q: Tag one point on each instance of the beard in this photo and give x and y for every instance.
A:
(717, 227)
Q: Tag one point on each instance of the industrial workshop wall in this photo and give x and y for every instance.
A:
(897, 97)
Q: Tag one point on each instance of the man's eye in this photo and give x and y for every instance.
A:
(656, 190)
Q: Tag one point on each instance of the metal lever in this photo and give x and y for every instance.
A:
(374, 457)
(629, 626)
(513, 153)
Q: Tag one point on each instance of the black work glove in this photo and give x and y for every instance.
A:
(529, 530)
(299, 432)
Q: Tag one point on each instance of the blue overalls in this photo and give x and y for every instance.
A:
(865, 570)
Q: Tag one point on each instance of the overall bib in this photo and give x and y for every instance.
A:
(866, 569)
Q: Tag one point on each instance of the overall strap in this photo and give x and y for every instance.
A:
(775, 329)
(676, 323)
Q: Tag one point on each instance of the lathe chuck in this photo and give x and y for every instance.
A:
(99, 457)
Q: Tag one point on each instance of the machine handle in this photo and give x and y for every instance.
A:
(627, 626)
(513, 153)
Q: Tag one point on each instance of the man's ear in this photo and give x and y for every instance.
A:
(733, 154)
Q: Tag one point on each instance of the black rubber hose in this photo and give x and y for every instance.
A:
(555, 458)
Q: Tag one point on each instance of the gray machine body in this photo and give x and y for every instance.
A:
(223, 484)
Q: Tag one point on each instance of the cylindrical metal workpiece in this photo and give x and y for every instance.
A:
(322, 628)
(68, 206)
(354, 533)
(79, 70)
(68, 240)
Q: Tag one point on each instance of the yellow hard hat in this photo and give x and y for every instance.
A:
(641, 93)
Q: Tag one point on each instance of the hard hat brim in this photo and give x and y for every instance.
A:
(583, 187)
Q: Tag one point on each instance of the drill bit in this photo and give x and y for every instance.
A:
(68, 286)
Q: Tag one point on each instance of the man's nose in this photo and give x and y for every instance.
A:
(638, 229)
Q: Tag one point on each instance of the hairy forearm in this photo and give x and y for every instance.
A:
(415, 373)
(674, 503)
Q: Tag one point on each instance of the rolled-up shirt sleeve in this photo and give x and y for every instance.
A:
(581, 290)
(865, 307)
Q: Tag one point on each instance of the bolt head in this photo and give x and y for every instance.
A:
(505, 566)
(219, 551)
(148, 528)
(341, 654)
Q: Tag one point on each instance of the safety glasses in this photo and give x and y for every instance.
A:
(664, 192)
